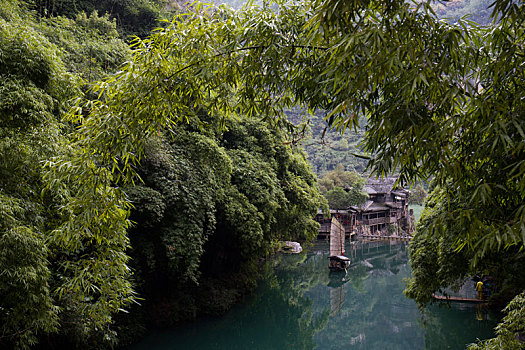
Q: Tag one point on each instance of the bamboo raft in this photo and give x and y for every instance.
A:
(458, 299)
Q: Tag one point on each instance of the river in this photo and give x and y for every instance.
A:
(299, 304)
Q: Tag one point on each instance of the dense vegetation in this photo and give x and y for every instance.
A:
(325, 147)
(207, 199)
(342, 188)
(441, 100)
(37, 80)
(134, 17)
(189, 136)
(417, 195)
(209, 208)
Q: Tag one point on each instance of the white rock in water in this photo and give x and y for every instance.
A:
(292, 247)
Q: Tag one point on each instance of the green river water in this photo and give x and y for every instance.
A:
(299, 304)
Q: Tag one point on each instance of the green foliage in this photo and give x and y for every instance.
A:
(24, 105)
(418, 209)
(245, 190)
(22, 56)
(148, 205)
(339, 198)
(327, 148)
(340, 178)
(26, 308)
(342, 188)
(8, 10)
(26, 56)
(417, 195)
(435, 263)
(186, 176)
(513, 323)
(210, 207)
(134, 17)
(91, 46)
(35, 85)
(275, 177)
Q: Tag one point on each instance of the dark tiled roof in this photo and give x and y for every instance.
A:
(383, 185)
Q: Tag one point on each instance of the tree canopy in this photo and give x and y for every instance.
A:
(38, 78)
(443, 100)
(438, 97)
(70, 219)
(342, 188)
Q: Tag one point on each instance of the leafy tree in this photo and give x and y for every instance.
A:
(340, 178)
(418, 195)
(342, 188)
(209, 207)
(35, 86)
(339, 198)
(90, 45)
(134, 17)
(438, 97)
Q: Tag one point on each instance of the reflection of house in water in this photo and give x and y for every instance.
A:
(372, 258)
(385, 213)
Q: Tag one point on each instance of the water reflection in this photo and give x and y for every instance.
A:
(300, 305)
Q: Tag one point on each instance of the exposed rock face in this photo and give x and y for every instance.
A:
(291, 247)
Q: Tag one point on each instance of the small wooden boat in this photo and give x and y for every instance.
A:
(338, 263)
(459, 299)
(338, 260)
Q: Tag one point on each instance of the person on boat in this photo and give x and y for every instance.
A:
(479, 289)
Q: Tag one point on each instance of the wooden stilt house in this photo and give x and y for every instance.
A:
(384, 214)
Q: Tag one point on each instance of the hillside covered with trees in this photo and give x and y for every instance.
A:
(133, 169)
(210, 201)
(325, 147)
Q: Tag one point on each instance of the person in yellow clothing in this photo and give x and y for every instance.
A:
(479, 289)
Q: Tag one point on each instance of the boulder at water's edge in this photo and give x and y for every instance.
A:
(291, 247)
